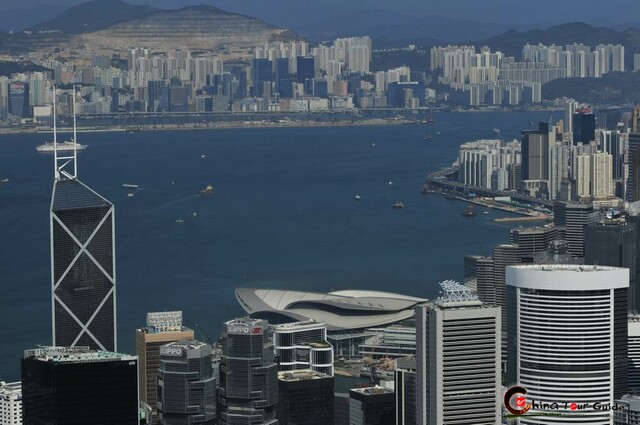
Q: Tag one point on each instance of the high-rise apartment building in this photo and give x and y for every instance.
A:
(568, 337)
(186, 384)
(632, 193)
(305, 398)
(303, 345)
(162, 328)
(458, 359)
(79, 386)
(248, 374)
(10, 403)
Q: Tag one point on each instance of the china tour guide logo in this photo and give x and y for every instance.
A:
(519, 404)
(516, 403)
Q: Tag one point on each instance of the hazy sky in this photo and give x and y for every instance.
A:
(499, 11)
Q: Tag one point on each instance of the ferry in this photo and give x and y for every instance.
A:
(207, 191)
(63, 146)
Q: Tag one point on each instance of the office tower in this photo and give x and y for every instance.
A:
(405, 389)
(162, 328)
(371, 406)
(305, 68)
(261, 72)
(535, 155)
(574, 216)
(18, 99)
(612, 242)
(633, 369)
(83, 281)
(568, 325)
(560, 155)
(458, 359)
(569, 110)
(633, 157)
(341, 408)
(79, 386)
(303, 345)
(532, 240)
(248, 374)
(10, 403)
(186, 384)
(483, 269)
(503, 255)
(584, 126)
(612, 143)
(305, 398)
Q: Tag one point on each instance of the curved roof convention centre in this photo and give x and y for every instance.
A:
(340, 310)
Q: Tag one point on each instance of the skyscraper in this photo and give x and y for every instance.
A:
(371, 406)
(303, 345)
(19, 99)
(613, 243)
(633, 181)
(574, 216)
(79, 386)
(83, 265)
(405, 389)
(584, 127)
(535, 155)
(532, 240)
(162, 328)
(568, 337)
(633, 370)
(305, 398)
(186, 384)
(248, 374)
(458, 360)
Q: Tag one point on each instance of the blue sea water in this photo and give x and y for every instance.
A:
(283, 216)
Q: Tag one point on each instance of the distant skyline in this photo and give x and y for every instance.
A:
(291, 12)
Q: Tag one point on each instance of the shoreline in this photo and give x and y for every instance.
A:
(216, 126)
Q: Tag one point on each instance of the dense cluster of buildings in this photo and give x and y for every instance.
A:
(285, 77)
(571, 160)
(492, 78)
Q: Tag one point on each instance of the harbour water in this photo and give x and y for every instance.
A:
(283, 215)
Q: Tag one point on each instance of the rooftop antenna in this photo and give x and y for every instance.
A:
(63, 162)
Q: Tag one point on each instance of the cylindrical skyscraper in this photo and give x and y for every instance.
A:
(567, 339)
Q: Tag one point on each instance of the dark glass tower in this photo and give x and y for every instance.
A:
(82, 266)
(78, 386)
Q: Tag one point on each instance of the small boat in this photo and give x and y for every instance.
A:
(203, 156)
(428, 137)
(485, 212)
(496, 131)
(207, 191)
(357, 197)
(398, 205)
(531, 123)
(390, 183)
(179, 220)
(130, 186)
(130, 195)
(195, 214)
(373, 144)
(4, 181)
(469, 212)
